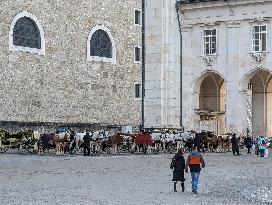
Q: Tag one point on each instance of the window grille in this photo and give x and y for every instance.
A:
(26, 33)
(137, 17)
(100, 44)
(259, 38)
(210, 41)
(137, 54)
(137, 90)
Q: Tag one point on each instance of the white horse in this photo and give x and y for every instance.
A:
(78, 141)
(60, 140)
(156, 137)
(36, 136)
(186, 136)
(97, 138)
(178, 139)
(163, 141)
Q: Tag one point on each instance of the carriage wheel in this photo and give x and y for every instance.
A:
(3, 149)
(73, 151)
(155, 151)
(172, 148)
(31, 150)
(22, 149)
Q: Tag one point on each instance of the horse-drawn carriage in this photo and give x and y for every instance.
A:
(24, 141)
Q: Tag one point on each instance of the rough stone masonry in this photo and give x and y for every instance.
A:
(62, 85)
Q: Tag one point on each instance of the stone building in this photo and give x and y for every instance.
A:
(226, 66)
(70, 62)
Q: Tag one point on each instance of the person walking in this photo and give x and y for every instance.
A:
(248, 144)
(178, 164)
(195, 162)
(262, 146)
(87, 143)
(235, 146)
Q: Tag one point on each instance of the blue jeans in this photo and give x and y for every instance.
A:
(262, 152)
(195, 177)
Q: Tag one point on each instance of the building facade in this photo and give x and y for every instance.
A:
(162, 102)
(226, 66)
(70, 62)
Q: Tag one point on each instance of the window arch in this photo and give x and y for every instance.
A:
(100, 45)
(26, 34)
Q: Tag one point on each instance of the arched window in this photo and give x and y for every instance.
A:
(101, 44)
(26, 33)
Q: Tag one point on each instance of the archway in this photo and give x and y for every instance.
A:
(211, 106)
(258, 87)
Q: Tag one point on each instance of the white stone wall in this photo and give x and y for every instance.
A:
(162, 83)
(62, 85)
(234, 62)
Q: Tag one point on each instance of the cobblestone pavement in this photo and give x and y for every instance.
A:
(131, 179)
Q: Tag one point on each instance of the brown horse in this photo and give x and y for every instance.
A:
(116, 142)
(52, 140)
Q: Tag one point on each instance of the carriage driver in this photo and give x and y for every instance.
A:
(87, 143)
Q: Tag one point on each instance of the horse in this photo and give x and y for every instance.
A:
(97, 138)
(46, 142)
(116, 142)
(156, 137)
(169, 142)
(60, 140)
(188, 140)
(55, 141)
(144, 141)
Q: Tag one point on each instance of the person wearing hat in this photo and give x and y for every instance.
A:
(178, 164)
(195, 162)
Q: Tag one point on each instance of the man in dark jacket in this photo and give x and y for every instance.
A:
(198, 141)
(87, 143)
(248, 144)
(195, 162)
(178, 164)
(235, 146)
(72, 140)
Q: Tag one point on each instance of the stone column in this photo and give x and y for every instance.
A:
(162, 100)
(236, 113)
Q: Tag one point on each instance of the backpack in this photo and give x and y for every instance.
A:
(263, 142)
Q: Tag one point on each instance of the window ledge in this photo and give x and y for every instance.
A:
(204, 55)
(27, 50)
(138, 99)
(138, 62)
(259, 52)
(101, 59)
(138, 25)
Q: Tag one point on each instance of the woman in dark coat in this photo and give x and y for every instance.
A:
(178, 164)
